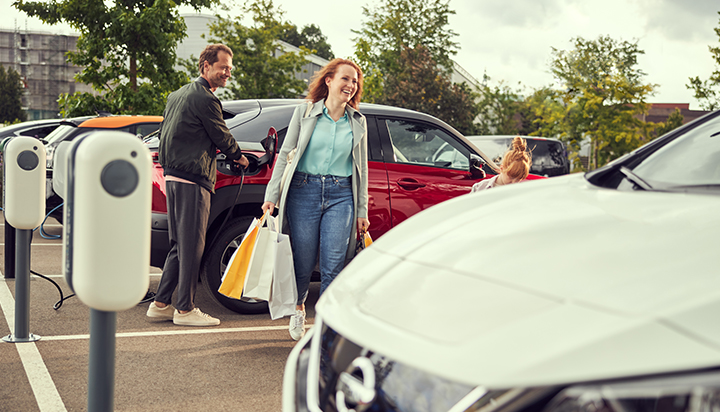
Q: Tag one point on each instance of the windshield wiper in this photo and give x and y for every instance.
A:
(635, 179)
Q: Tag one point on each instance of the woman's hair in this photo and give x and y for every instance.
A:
(517, 160)
(210, 55)
(318, 90)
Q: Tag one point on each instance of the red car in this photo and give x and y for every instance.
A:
(415, 161)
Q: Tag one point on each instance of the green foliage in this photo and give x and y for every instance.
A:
(11, 90)
(373, 77)
(126, 50)
(604, 97)
(422, 86)
(706, 91)
(498, 108)
(542, 113)
(673, 121)
(260, 71)
(311, 37)
(394, 25)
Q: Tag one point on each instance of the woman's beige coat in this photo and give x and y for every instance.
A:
(298, 136)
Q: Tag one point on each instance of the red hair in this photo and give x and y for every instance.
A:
(517, 160)
(318, 90)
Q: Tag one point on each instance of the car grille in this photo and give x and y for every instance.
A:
(367, 381)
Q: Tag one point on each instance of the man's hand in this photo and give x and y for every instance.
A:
(242, 161)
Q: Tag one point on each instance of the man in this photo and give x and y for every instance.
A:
(192, 130)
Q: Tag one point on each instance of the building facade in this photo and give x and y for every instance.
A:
(40, 60)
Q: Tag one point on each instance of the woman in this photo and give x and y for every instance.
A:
(515, 167)
(324, 200)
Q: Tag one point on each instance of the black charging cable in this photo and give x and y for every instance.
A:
(63, 298)
(230, 210)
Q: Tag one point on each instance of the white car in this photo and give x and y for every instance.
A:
(595, 292)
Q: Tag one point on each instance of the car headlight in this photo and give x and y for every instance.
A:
(699, 392)
(693, 392)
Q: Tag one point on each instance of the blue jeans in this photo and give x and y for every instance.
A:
(320, 214)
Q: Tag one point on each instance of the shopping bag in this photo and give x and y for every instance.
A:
(258, 280)
(233, 280)
(364, 241)
(284, 295)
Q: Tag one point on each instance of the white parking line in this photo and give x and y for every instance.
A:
(46, 394)
(175, 332)
(39, 244)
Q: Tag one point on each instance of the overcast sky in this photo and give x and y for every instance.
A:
(511, 40)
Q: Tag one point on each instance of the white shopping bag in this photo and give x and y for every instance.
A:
(258, 281)
(283, 298)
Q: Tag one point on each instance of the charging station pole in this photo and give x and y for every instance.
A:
(24, 207)
(106, 241)
(9, 272)
(9, 268)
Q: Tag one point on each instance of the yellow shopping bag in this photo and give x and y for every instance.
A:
(364, 241)
(234, 277)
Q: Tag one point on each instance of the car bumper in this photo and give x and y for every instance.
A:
(295, 378)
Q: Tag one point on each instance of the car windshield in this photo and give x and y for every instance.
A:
(688, 163)
(58, 133)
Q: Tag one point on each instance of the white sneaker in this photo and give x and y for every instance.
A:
(158, 313)
(297, 325)
(194, 318)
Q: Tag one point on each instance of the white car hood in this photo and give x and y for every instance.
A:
(539, 283)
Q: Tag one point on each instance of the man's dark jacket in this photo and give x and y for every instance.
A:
(191, 132)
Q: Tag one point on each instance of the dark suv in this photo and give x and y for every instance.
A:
(415, 161)
(549, 156)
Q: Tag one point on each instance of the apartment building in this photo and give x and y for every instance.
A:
(39, 58)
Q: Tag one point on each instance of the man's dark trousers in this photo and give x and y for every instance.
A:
(188, 212)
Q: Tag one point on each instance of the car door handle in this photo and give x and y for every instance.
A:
(409, 184)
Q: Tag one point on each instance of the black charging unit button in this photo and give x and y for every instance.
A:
(119, 178)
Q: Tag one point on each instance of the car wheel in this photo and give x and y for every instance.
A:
(217, 257)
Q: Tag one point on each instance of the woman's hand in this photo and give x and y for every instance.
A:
(268, 206)
(363, 224)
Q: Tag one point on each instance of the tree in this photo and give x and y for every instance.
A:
(604, 97)
(497, 109)
(126, 50)
(310, 37)
(394, 25)
(424, 87)
(542, 113)
(262, 69)
(11, 90)
(706, 90)
(674, 120)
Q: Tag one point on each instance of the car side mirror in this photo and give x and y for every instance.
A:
(476, 166)
(270, 145)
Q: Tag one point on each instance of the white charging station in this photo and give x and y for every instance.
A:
(24, 182)
(106, 228)
(106, 184)
(24, 209)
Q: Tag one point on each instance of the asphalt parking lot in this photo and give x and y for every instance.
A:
(237, 365)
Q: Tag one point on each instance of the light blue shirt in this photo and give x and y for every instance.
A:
(330, 147)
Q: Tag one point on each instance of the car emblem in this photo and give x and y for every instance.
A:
(355, 394)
